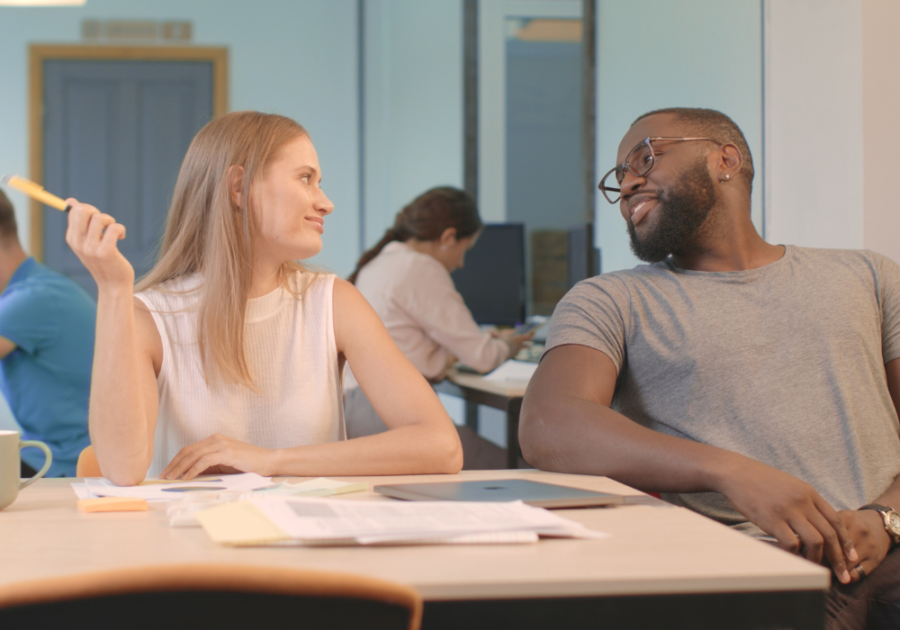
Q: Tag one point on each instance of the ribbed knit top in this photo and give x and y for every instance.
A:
(291, 352)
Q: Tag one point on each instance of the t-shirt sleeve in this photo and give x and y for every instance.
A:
(593, 314)
(889, 297)
(28, 318)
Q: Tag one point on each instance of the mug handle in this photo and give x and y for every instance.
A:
(48, 459)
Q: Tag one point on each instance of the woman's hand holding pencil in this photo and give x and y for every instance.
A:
(93, 236)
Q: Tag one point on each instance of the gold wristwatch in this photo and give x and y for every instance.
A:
(891, 520)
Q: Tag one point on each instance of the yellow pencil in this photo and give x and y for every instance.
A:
(35, 192)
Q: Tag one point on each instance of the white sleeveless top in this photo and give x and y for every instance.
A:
(292, 356)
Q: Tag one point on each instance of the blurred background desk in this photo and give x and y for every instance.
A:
(475, 390)
(661, 566)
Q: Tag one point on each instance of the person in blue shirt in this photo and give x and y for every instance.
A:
(46, 350)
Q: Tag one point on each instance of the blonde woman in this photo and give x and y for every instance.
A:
(227, 356)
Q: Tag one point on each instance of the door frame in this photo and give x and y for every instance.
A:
(490, 86)
(39, 53)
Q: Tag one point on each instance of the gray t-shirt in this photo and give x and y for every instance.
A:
(784, 363)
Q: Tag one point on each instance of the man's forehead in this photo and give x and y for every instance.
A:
(665, 125)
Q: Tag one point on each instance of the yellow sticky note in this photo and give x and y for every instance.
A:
(112, 504)
(359, 486)
(239, 523)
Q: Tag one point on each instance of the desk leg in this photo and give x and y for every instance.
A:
(512, 433)
(472, 415)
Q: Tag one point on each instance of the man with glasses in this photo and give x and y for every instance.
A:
(753, 383)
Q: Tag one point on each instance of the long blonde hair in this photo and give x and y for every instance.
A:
(207, 233)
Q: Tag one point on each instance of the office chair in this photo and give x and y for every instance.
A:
(87, 465)
(210, 596)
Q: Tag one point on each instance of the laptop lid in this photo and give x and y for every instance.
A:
(534, 493)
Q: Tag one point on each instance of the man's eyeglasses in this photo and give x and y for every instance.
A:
(638, 162)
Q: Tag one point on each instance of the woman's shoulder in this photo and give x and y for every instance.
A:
(180, 284)
(302, 281)
(175, 292)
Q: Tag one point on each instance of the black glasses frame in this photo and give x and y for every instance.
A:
(637, 170)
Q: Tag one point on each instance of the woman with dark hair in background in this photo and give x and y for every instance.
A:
(406, 279)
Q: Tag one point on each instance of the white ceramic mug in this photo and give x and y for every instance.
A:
(11, 467)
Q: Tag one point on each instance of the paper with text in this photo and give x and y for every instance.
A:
(177, 490)
(372, 522)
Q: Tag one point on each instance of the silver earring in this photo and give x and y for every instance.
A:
(727, 176)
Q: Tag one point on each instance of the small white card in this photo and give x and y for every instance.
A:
(513, 370)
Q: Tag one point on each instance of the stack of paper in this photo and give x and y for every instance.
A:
(280, 520)
(183, 513)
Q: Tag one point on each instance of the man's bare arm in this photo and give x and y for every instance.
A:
(567, 425)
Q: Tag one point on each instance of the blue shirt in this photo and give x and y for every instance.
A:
(47, 378)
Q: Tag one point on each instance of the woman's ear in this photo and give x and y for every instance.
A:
(235, 179)
(448, 238)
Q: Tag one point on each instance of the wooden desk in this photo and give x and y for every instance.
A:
(662, 566)
(476, 390)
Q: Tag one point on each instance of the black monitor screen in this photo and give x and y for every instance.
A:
(492, 282)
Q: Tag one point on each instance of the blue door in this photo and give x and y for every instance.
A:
(115, 133)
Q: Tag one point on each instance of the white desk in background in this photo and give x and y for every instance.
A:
(662, 566)
(476, 390)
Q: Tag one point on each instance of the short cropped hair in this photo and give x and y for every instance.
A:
(714, 124)
(8, 226)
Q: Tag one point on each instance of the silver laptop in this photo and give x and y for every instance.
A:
(534, 493)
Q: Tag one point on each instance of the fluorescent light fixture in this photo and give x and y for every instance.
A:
(42, 3)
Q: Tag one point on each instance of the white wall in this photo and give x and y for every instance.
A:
(413, 104)
(881, 127)
(827, 71)
(293, 57)
(830, 97)
(814, 122)
(656, 53)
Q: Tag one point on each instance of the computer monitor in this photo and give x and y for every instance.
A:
(492, 282)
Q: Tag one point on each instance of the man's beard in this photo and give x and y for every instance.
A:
(679, 215)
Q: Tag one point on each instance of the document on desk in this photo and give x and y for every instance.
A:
(512, 370)
(324, 521)
(319, 487)
(167, 490)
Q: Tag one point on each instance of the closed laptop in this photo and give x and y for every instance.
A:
(534, 493)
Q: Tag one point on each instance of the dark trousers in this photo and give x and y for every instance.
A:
(872, 603)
